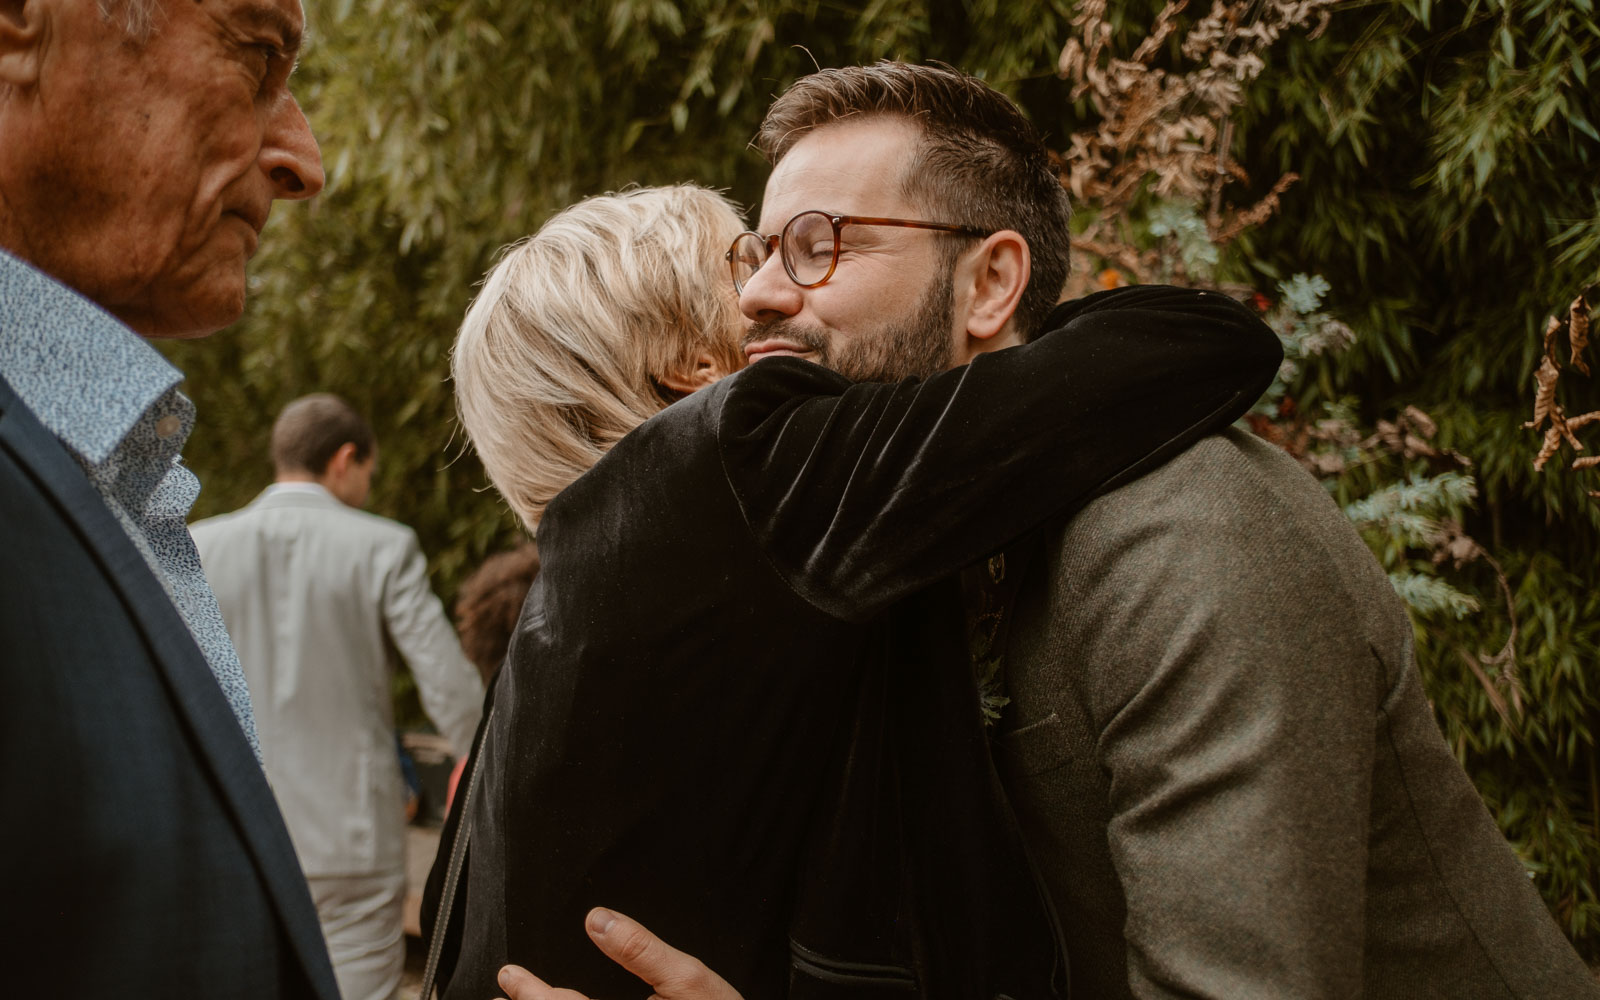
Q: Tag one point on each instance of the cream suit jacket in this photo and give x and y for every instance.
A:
(321, 599)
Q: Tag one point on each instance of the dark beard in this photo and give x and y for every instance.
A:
(916, 346)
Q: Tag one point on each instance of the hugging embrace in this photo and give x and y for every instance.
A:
(741, 703)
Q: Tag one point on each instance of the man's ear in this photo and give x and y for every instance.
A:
(341, 460)
(703, 371)
(22, 37)
(994, 278)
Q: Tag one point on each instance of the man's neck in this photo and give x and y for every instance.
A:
(975, 346)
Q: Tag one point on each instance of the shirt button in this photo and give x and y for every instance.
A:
(168, 425)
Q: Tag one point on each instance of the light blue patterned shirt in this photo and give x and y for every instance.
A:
(113, 401)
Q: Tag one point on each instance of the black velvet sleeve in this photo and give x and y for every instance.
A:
(862, 493)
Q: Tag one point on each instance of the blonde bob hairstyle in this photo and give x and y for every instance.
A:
(580, 329)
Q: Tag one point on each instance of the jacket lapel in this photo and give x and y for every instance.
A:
(222, 748)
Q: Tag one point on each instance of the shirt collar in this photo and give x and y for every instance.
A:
(83, 373)
(304, 489)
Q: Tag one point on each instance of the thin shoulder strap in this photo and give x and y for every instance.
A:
(452, 875)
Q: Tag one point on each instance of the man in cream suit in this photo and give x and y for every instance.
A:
(319, 597)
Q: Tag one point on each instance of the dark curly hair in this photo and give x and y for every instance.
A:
(489, 602)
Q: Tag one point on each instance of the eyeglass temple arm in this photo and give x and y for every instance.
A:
(867, 220)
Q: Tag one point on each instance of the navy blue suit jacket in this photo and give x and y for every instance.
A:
(141, 851)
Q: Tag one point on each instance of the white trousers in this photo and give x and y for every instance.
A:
(362, 922)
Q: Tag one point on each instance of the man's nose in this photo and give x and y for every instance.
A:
(770, 293)
(289, 154)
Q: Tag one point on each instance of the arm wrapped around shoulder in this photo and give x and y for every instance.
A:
(862, 493)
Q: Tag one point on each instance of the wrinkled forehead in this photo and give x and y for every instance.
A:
(281, 20)
(853, 167)
(280, 23)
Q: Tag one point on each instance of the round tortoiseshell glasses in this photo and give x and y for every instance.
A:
(809, 245)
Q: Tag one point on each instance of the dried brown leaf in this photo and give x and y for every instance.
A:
(1406, 436)
(1336, 432)
(1550, 331)
(1578, 332)
(1416, 447)
(1560, 423)
(1159, 31)
(1168, 130)
(1452, 542)
(1462, 550)
(1496, 699)
(1124, 256)
(1325, 464)
(1255, 214)
(1263, 427)
(1505, 661)
(1552, 444)
(1544, 401)
(1324, 16)
(1419, 421)
(1070, 65)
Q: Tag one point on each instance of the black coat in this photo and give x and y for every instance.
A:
(143, 855)
(738, 706)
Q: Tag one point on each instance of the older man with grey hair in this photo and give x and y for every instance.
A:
(142, 144)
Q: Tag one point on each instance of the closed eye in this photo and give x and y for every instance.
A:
(264, 58)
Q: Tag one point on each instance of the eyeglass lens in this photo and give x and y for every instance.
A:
(809, 247)
(747, 255)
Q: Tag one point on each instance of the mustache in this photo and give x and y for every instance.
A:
(786, 329)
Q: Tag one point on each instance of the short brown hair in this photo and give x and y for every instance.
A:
(312, 428)
(981, 163)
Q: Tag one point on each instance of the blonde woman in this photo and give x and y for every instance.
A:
(617, 307)
(717, 702)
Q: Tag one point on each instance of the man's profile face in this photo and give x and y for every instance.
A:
(155, 163)
(886, 312)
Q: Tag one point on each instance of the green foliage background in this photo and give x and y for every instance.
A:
(1448, 155)
(1450, 193)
